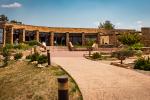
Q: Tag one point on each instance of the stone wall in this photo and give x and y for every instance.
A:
(146, 36)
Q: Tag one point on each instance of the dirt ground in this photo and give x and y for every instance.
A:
(23, 81)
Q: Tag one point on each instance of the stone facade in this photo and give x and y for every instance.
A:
(146, 36)
(58, 35)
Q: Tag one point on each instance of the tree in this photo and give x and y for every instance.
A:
(15, 22)
(129, 39)
(3, 18)
(89, 44)
(122, 54)
(106, 25)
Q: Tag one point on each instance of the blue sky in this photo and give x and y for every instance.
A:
(78, 13)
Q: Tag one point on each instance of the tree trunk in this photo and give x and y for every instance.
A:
(121, 61)
(89, 53)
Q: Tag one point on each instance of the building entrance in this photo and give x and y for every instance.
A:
(59, 39)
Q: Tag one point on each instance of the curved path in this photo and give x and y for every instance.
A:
(98, 81)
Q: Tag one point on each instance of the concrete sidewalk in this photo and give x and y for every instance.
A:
(99, 81)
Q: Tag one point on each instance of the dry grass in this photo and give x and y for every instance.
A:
(23, 81)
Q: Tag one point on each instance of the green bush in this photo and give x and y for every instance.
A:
(138, 53)
(9, 46)
(18, 56)
(129, 39)
(122, 54)
(33, 57)
(21, 46)
(42, 59)
(37, 57)
(126, 53)
(5, 53)
(32, 43)
(136, 46)
(96, 55)
(28, 57)
(142, 64)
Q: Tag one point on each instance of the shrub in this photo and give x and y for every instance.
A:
(37, 57)
(18, 56)
(32, 43)
(129, 39)
(21, 46)
(96, 55)
(123, 54)
(9, 46)
(138, 53)
(42, 59)
(136, 46)
(5, 53)
(89, 44)
(28, 57)
(126, 53)
(33, 57)
(142, 64)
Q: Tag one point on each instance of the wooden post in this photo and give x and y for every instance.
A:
(37, 35)
(63, 88)
(52, 38)
(98, 39)
(67, 38)
(49, 58)
(83, 39)
(11, 36)
(35, 49)
(22, 35)
(4, 37)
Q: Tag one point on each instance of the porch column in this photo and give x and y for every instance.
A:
(4, 36)
(98, 39)
(10, 35)
(22, 36)
(51, 38)
(67, 38)
(37, 35)
(83, 39)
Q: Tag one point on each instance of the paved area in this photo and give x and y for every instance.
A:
(99, 81)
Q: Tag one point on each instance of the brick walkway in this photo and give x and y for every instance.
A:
(99, 81)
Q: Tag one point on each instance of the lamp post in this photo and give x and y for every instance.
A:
(63, 88)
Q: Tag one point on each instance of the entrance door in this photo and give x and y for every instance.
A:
(59, 39)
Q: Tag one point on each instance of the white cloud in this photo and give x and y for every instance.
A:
(139, 22)
(13, 5)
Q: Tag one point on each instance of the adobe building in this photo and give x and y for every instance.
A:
(9, 33)
(146, 36)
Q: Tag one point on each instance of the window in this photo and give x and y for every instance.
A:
(1, 35)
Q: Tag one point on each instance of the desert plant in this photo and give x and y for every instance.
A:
(96, 55)
(5, 53)
(32, 43)
(42, 59)
(129, 39)
(21, 46)
(122, 54)
(28, 57)
(142, 64)
(137, 46)
(138, 53)
(89, 47)
(18, 56)
(9, 46)
(33, 57)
